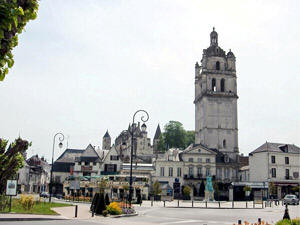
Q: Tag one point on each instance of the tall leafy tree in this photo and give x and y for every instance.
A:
(11, 159)
(175, 136)
(14, 15)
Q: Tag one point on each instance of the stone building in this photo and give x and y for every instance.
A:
(106, 141)
(215, 102)
(156, 139)
(278, 164)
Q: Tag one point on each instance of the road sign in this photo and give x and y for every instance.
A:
(11, 187)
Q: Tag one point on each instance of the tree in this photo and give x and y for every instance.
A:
(107, 202)
(14, 15)
(186, 192)
(175, 136)
(102, 185)
(156, 188)
(11, 159)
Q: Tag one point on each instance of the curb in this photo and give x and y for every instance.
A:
(124, 215)
(208, 207)
(29, 219)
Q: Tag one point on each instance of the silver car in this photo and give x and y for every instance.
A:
(291, 200)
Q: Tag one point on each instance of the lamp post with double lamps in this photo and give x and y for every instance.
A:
(61, 138)
(144, 118)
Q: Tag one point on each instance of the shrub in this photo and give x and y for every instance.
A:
(114, 209)
(296, 221)
(26, 201)
(104, 213)
(100, 204)
(3, 202)
(94, 202)
(186, 191)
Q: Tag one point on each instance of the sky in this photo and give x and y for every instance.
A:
(83, 67)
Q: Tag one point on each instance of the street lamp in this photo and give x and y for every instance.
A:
(61, 138)
(144, 118)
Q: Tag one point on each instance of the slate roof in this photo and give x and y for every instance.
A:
(277, 147)
(106, 135)
(69, 155)
(157, 132)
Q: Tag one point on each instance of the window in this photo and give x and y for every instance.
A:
(219, 173)
(191, 171)
(222, 85)
(178, 172)
(213, 85)
(86, 163)
(207, 171)
(79, 163)
(273, 172)
(114, 157)
(199, 160)
(191, 160)
(162, 171)
(287, 173)
(226, 173)
(170, 171)
(287, 161)
(199, 171)
(208, 160)
(224, 143)
(94, 163)
(273, 159)
(217, 65)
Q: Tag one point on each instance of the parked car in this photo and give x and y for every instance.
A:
(59, 196)
(291, 200)
(44, 195)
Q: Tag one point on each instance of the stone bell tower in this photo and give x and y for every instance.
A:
(216, 124)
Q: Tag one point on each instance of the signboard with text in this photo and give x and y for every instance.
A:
(11, 187)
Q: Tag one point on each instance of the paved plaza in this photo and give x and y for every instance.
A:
(158, 214)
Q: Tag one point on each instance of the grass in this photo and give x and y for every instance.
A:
(42, 208)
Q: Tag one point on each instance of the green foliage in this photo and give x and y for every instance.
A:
(14, 15)
(289, 222)
(247, 188)
(156, 188)
(4, 201)
(11, 159)
(107, 202)
(102, 185)
(175, 136)
(104, 213)
(186, 191)
(272, 188)
(100, 204)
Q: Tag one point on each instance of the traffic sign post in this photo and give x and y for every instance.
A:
(11, 190)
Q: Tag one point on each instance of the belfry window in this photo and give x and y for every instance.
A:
(217, 65)
(222, 85)
(213, 85)
(224, 143)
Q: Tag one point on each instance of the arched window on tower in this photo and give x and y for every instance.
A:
(213, 85)
(224, 143)
(217, 65)
(222, 85)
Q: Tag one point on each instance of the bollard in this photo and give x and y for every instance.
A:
(253, 204)
(93, 210)
(206, 204)
(239, 222)
(178, 203)
(219, 205)
(246, 205)
(164, 203)
(232, 205)
(259, 221)
(76, 209)
(151, 202)
(192, 204)
(265, 204)
(262, 204)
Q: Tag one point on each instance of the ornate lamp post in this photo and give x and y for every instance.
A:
(144, 118)
(61, 138)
